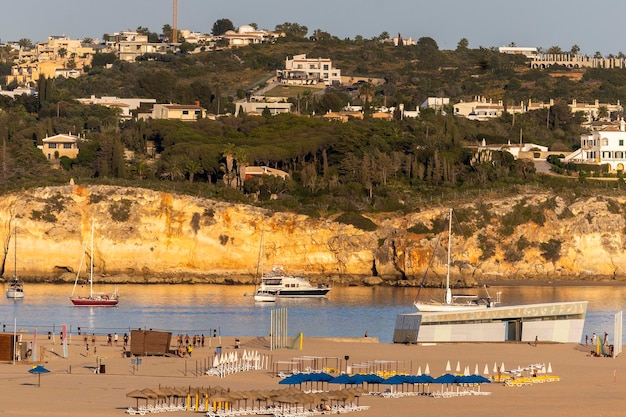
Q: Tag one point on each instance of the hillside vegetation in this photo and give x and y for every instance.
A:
(362, 165)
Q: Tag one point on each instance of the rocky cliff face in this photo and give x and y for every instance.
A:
(151, 237)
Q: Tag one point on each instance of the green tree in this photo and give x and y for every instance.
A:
(319, 35)
(25, 44)
(292, 30)
(141, 168)
(192, 168)
(222, 26)
(168, 32)
(463, 45)
(118, 164)
(554, 50)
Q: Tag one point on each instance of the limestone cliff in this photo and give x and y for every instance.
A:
(151, 237)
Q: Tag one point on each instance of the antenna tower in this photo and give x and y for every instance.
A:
(175, 22)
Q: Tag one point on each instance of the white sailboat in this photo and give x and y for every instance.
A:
(93, 299)
(15, 289)
(451, 302)
(262, 295)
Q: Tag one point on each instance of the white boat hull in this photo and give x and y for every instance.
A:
(265, 298)
(15, 294)
(427, 307)
(15, 289)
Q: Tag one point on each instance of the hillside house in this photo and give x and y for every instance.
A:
(57, 146)
(247, 35)
(301, 70)
(182, 112)
(604, 146)
(59, 56)
(125, 105)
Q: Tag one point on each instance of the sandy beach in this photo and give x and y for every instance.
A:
(588, 385)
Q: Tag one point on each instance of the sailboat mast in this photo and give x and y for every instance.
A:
(448, 291)
(260, 258)
(91, 263)
(15, 252)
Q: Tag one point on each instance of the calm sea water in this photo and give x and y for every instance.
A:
(201, 309)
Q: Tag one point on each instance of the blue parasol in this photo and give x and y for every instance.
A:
(38, 370)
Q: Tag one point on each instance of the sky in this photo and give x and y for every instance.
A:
(484, 23)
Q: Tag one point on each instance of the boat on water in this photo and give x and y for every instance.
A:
(266, 296)
(15, 288)
(93, 299)
(290, 286)
(455, 302)
(468, 318)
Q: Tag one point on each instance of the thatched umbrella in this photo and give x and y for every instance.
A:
(137, 395)
(218, 399)
(150, 394)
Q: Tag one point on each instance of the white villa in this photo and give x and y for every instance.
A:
(125, 105)
(604, 146)
(301, 70)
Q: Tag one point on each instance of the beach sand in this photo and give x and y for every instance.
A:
(588, 385)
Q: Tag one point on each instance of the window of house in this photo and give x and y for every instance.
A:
(67, 146)
(52, 146)
(185, 112)
(326, 67)
(605, 142)
(621, 142)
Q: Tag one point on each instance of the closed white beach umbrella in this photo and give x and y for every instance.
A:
(476, 370)
(427, 370)
(486, 370)
(419, 370)
(549, 368)
(458, 367)
(448, 368)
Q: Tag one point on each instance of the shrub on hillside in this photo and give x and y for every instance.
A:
(358, 221)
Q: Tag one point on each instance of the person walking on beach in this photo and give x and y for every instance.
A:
(125, 338)
(87, 349)
(115, 339)
(593, 339)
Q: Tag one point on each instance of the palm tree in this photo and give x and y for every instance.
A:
(241, 156)
(192, 168)
(141, 168)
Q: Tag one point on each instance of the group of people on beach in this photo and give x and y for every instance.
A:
(112, 339)
(186, 344)
(594, 339)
